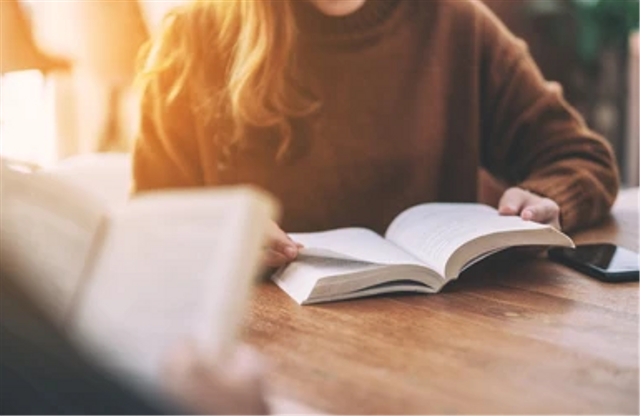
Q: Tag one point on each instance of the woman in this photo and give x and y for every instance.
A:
(351, 111)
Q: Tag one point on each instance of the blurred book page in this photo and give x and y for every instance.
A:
(47, 233)
(172, 268)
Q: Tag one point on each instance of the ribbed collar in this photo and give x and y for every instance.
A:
(368, 18)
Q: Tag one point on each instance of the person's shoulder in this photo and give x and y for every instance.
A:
(463, 15)
(463, 20)
(484, 23)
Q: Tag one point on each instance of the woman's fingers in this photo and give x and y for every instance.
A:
(544, 211)
(287, 248)
(530, 207)
(512, 201)
(282, 249)
(274, 259)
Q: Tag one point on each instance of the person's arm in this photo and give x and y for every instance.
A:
(533, 139)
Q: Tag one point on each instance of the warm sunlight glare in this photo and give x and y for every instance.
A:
(27, 125)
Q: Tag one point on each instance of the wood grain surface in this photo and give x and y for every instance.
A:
(513, 335)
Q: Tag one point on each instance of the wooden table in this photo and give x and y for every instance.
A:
(512, 335)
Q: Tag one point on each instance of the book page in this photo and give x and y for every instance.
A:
(315, 279)
(433, 232)
(358, 244)
(105, 175)
(300, 278)
(48, 229)
(173, 268)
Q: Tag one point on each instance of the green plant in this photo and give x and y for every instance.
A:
(598, 23)
(602, 23)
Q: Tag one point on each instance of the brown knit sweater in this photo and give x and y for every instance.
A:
(416, 97)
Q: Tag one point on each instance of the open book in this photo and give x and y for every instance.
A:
(425, 247)
(129, 282)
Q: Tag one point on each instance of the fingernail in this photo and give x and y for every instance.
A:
(527, 215)
(291, 252)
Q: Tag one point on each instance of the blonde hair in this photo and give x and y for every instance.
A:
(235, 60)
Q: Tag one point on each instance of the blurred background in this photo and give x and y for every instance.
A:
(66, 70)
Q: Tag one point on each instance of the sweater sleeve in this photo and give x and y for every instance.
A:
(166, 153)
(532, 138)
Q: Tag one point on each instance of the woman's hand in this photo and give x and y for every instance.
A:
(529, 206)
(281, 249)
(232, 387)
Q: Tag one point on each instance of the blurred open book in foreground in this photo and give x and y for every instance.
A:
(130, 281)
